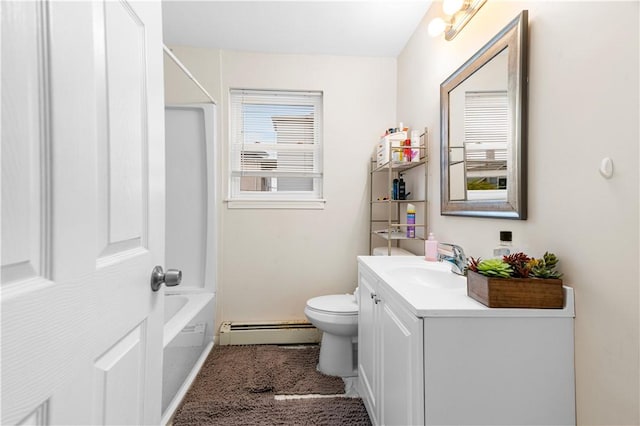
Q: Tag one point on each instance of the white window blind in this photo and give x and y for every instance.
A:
(486, 129)
(276, 145)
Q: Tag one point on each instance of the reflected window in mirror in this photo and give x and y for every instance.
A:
(486, 135)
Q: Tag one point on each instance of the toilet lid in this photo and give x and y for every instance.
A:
(335, 303)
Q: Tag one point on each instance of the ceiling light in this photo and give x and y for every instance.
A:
(450, 7)
(437, 26)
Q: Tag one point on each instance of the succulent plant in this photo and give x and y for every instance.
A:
(472, 264)
(495, 268)
(516, 265)
(545, 267)
(519, 262)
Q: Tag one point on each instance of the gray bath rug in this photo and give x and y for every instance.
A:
(238, 384)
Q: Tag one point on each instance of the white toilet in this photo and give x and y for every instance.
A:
(336, 316)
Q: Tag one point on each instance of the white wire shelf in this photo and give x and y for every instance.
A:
(397, 234)
(396, 201)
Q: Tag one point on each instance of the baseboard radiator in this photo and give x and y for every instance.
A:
(272, 332)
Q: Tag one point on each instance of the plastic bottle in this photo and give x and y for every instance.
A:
(407, 151)
(394, 191)
(411, 220)
(395, 153)
(504, 247)
(401, 189)
(415, 144)
(431, 248)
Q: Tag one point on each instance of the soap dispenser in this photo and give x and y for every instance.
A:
(504, 247)
(431, 248)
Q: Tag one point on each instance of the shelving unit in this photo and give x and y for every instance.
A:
(391, 228)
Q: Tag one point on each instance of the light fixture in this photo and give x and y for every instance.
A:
(436, 27)
(459, 12)
(450, 7)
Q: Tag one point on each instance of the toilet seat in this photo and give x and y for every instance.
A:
(336, 304)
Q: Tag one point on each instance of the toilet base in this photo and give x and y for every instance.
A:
(337, 356)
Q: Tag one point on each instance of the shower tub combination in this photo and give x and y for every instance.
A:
(190, 245)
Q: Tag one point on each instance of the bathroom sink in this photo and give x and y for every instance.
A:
(438, 278)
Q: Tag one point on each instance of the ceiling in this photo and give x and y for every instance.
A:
(353, 28)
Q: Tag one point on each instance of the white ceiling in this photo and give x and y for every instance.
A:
(354, 28)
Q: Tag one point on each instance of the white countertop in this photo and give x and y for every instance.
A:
(448, 297)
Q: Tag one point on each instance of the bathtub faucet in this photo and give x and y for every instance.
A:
(453, 254)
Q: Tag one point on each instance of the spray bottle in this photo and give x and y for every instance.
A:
(411, 220)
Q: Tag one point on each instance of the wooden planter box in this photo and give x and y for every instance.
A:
(515, 292)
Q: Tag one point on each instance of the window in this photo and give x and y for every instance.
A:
(275, 149)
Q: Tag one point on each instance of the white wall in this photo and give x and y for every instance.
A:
(204, 64)
(274, 260)
(583, 106)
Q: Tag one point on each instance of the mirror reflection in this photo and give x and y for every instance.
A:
(479, 134)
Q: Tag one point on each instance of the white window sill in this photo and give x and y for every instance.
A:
(276, 204)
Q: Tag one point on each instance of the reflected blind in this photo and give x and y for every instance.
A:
(275, 143)
(486, 130)
(486, 117)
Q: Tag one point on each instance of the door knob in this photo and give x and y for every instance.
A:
(170, 278)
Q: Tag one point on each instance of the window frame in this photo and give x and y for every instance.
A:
(237, 198)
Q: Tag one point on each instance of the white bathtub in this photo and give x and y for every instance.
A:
(188, 338)
(179, 310)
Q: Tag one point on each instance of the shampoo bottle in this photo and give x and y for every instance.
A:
(431, 248)
(411, 220)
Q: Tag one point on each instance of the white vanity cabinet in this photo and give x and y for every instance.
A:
(389, 356)
(434, 356)
(368, 343)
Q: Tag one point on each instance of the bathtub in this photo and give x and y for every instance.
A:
(187, 340)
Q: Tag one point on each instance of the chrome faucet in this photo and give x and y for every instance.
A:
(455, 255)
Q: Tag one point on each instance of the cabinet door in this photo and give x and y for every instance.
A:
(401, 394)
(368, 336)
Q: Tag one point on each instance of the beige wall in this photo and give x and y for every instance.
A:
(583, 106)
(204, 64)
(274, 260)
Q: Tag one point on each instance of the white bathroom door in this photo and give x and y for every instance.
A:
(82, 212)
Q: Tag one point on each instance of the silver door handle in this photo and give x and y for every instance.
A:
(170, 278)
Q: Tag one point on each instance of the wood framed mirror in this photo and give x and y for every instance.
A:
(483, 125)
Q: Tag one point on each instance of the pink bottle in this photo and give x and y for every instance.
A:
(431, 248)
